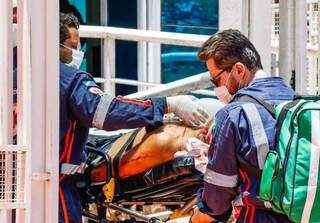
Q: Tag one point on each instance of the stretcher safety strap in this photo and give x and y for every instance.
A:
(219, 179)
(258, 132)
(70, 169)
(102, 110)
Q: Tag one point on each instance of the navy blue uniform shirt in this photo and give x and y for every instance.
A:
(233, 141)
(81, 107)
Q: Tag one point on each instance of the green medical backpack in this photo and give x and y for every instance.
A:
(290, 179)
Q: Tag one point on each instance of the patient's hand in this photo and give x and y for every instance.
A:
(206, 133)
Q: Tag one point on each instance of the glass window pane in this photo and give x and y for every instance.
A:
(195, 17)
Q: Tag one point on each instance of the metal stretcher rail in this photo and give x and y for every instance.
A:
(132, 213)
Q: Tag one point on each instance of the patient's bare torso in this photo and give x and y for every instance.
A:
(151, 149)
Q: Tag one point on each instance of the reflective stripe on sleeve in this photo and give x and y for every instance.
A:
(258, 132)
(102, 110)
(219, 179)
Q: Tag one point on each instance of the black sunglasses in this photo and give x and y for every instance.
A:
(214, 79)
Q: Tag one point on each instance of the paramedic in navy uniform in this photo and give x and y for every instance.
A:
(236, 70)
(84, 105)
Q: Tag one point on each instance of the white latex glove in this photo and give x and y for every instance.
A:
(187, 109)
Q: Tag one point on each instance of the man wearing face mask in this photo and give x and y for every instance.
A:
(236, 70)
(84, 105)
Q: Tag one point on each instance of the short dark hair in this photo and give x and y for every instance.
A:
(229, 47)
(67, 20)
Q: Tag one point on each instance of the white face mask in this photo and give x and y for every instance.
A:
(223, 94)
(77, 56)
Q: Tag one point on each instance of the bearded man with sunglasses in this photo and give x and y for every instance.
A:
(229, 185)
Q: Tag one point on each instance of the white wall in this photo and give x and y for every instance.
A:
(252, 18)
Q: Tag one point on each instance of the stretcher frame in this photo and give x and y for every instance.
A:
(103, 204)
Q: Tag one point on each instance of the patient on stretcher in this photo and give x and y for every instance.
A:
(151, 149)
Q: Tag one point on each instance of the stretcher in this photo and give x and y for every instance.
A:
(172, 184)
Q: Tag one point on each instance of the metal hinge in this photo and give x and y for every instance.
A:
(41, 176)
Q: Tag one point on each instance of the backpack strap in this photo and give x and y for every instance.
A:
(260, 137)
(251, 99)
(271, 109)
(283, 114)
(307, 97)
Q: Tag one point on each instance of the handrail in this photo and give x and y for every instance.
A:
(181, 39)
(182, 86)
(110, 34)
(148, 84)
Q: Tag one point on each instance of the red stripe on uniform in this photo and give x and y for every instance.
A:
(71, 142)
(66, 144)
(250, 208)
(252, 213)
(203, 196)
(64, 206)
(61, 177)
(147, 104)
(244, 199)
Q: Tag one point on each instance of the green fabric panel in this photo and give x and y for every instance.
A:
(276, 191)
(285, 134)
(273, 193)
(301, 173)
(268, 175)
(315, 213)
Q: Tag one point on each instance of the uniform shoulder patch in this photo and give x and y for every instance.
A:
(92, 86)
(89, 83)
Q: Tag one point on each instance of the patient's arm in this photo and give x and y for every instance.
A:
(151, 150)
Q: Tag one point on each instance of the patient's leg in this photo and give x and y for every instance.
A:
(150, 150)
